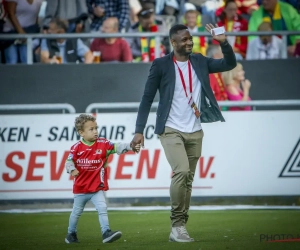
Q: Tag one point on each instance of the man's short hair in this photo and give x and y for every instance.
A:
(176, 28)
(60, 23)
(81, 120)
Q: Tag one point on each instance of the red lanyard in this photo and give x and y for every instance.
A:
(182, 79)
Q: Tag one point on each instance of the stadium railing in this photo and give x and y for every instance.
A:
(57, 106)
(135, 105)
(157, 36)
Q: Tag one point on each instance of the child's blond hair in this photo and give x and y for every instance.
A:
(81, 120)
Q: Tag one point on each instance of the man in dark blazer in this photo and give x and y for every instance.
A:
(186, 100)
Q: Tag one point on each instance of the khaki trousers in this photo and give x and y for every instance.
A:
(182, 151)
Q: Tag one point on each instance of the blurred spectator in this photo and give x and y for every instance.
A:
(265, 47)
(112, 49)
(234, 22)
(42, 13)
(166, 7)
(294, 3)
(62, 50)
(213, 8)
(2, 15)
(216, 80)
(143, 48)
(148, 4)
(282, 16)
(22, 16)
(75, 12)
(135, 8)
(237, 87)
(199, 4)
(297, 50)
(245, 7)
(3, 43)
(192, 19)
(167, 20)
(102, 9)
(202, 18)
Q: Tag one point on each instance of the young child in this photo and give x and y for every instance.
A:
(86, 162)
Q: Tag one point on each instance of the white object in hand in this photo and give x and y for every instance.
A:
(218, 31)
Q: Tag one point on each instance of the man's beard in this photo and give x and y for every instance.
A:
(184, 52)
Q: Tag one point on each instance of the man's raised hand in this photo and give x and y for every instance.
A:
(220, 38)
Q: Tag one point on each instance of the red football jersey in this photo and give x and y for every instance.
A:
(89, 160)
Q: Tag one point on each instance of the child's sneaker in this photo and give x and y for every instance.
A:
(71, 238)
(111, 236)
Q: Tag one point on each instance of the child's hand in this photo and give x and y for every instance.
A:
(137, 148)
(75, 173)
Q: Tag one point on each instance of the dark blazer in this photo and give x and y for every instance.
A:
(162, 78)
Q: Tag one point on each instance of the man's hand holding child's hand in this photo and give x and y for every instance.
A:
(137, 148)
(75, 173)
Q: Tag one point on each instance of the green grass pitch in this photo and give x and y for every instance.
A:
(212, 230)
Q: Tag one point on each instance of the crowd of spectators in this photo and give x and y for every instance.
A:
(138, 16)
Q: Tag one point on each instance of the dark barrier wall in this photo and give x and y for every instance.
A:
(81, 85)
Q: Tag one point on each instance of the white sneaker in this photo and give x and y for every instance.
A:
(192, 239)
(179, 234)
